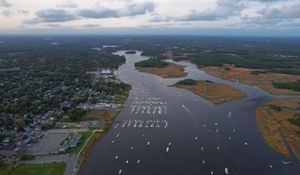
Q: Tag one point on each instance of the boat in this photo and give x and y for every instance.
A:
(148, 143)
(167, 149)
(226, 171)
(120, 172)
(138, 161)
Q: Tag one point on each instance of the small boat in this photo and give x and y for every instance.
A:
(246, 144)
(169, 144)
(138, 161)
(116, 157)
(211, 172)
(226, 171)
(148, 143)
(120, 172)
(131, 148)
(167, 149)
(196, 138)
(112, 141)
(127, 161)
(203, 161)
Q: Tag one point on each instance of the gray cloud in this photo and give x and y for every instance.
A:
(51, 15)
(127, 11)
(7, 13)
(61, 15)
(4, 3)
(91, 25)
(68, 4)
(274, 17)
(288, 11)
(224, 9)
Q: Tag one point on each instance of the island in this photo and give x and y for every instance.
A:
(161, 68)
(272, 82)
(279, 125)
(214, 92)
(130, 52)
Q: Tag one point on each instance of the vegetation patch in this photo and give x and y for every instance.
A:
(258, 78)
(187, 82)
(27, 157)
(278, 124)
(169, 71)
(152, 62)
(213, 92)
(40, 169)
(287, 85)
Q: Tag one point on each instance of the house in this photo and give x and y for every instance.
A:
(107, 73)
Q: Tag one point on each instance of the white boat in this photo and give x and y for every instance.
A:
(127, 161)
(196, 138)
(148, 143)
(226, 171)
(120, 172)
(169, 144)
(116, 157)
(167, 149)
(138, 161)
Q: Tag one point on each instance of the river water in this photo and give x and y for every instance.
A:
(164, 130)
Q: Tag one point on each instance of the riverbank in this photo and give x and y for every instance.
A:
(277, 122)
(169, 71)
(214, 92)
(255, 77)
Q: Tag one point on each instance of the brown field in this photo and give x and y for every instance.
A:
(170, 71)
(243, 75)
(214, 92)
(105, 115)
(275, 128)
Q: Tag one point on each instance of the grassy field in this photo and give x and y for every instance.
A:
(213, 92)
(41, 169)
(257, 77)
(85, 135)
(3, 170)
(169, 71)
(274, 119)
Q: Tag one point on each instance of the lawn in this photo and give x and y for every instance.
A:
(41, 169)
(3, 169)
(85, 135)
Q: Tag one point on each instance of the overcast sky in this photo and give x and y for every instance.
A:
(211, 17)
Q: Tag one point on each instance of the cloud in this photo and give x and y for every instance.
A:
(51, 15)
(288, 11)
(68, 4)
(127, 11)
(224, 9)
(4, 3)
(7, 13)
(91, 25)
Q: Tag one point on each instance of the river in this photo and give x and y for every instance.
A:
(164, 130)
